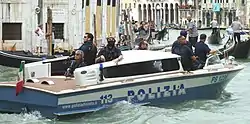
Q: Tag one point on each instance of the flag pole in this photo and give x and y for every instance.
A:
(23, 68)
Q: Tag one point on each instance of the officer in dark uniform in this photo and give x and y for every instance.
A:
(176, 45)
(89, 49)
(187, 55)
(202, 49)
(109, 52)
(184, 33)
(76, 63)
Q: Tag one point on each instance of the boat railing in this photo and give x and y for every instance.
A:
(213, 62)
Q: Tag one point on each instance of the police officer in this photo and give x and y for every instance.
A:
(202, 49)
(76, 63)
(184, 33)
(187, 55)
(176, 45)
(89, 49)
(109, 52)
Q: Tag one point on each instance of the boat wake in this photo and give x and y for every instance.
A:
(27, 118)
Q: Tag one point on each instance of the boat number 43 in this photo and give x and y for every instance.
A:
(219, 78)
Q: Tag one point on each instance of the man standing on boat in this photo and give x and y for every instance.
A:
(88, 48)
(202, 49)
(236, 26)
(192, 31)
(214, 25)
(41, 41)
(187, 55)
(177, 44)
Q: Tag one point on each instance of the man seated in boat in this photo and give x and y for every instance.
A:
(202, 49)
(143, 45)
(89, 49)
(176, 45)
(214, 25)
(76, 63)
(110, 52)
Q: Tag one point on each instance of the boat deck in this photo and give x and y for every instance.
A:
(60, 84)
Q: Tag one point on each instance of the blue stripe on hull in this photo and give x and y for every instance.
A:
(147, 82)
(204, 92)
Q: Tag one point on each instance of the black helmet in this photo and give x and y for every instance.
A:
(111, 39)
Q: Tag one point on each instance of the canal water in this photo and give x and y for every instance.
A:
(232, 107)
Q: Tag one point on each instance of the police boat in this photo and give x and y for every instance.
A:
(143, 77)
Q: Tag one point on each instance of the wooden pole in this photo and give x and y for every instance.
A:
(49, 30)
(95, 41)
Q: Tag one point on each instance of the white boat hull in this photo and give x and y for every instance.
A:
(155, 91)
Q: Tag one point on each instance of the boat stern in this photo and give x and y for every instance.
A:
(28, 100)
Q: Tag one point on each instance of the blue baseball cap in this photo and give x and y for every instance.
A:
(183, 33)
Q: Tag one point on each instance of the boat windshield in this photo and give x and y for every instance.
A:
(142, 68)
(212, 60)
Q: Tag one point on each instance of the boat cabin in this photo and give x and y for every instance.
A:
(135, 65)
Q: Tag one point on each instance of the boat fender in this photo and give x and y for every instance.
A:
(32, 81)
(48, 82)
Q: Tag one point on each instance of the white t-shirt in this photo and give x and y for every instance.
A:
(40, 34)
(214, 24)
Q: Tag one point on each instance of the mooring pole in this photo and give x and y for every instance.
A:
(49, 30)
(23, 68)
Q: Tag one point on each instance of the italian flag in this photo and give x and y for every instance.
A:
(20, 83)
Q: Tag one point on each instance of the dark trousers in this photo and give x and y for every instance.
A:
(214, 30)
(193, 40)
(237, 36)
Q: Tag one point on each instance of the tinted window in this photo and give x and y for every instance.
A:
(141, 68)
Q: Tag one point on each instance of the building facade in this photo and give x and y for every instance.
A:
(225, 17)
(71, 19)
(166, 11)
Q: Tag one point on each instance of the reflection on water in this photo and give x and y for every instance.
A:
(8, 74)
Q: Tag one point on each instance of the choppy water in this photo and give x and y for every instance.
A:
(232, 107)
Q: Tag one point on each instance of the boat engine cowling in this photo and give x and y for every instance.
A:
(86, 76)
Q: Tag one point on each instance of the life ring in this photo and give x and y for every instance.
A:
(73, 12)
(37, 10)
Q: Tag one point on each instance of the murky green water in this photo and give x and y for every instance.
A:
(233, 107)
